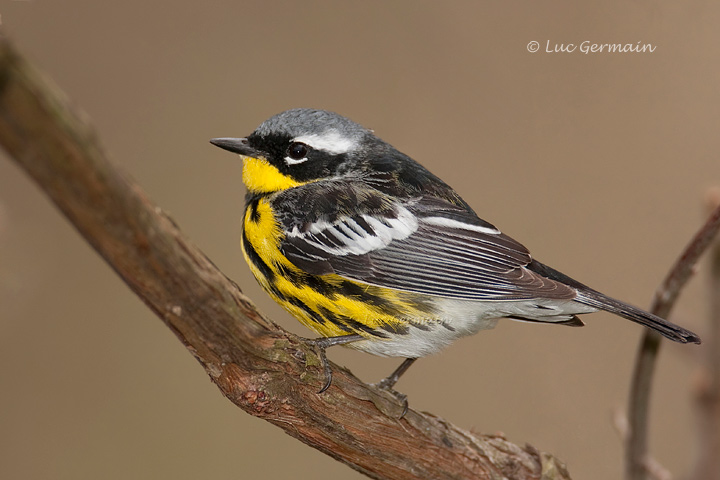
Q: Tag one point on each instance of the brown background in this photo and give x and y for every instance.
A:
(597, 162)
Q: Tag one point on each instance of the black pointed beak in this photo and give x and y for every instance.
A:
(236, 145)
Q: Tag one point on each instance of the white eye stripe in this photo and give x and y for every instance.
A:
(291, 161)
(330, 141)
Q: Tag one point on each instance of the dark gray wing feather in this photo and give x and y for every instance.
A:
(452, 263)
(425, 245)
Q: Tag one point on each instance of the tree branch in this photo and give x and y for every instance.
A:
(664, 300)
(707, 392)
(264, 370)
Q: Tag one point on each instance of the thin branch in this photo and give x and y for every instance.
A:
(707, 392)
(264, 370)
(664, 300)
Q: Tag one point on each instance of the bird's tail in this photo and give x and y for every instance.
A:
(667, 329)
(593, 298)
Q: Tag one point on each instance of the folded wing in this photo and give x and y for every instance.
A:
(427, 246)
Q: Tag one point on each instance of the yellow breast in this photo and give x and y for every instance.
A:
(328, 304)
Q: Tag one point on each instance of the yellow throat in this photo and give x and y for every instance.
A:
(261, 177)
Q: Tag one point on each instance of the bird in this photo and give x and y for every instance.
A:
(369, 249)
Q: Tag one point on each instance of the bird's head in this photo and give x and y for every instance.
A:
(300, 146)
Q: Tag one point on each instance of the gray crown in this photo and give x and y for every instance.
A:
(307, 121)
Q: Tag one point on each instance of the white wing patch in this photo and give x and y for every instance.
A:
(448, 222)
(348, 237)
(330, 141)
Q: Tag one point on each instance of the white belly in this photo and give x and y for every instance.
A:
(461, 318)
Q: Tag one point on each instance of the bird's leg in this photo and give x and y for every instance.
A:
(320, 344)
(389, 382)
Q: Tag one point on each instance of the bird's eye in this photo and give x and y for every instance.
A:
(297, 151)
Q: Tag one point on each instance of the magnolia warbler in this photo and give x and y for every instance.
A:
(369, 249)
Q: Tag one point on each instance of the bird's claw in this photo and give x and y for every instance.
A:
(319, 346)
(386, 385)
